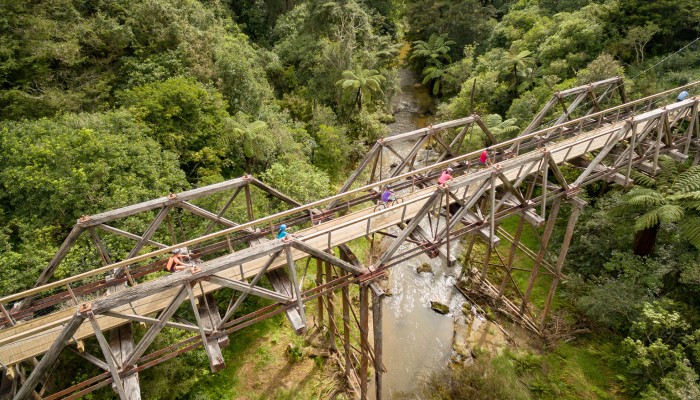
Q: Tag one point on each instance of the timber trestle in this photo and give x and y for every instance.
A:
(122, 252)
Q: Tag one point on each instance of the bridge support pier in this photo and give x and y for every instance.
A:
(121, 342)
(518, 304)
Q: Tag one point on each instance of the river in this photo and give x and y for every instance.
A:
(417, 340)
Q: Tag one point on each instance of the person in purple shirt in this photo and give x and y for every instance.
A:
(388, 197)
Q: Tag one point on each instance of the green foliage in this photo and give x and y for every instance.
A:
(615, 299)
(185, 117)
(603, 67)
(480, 381)
(298, 179)
(52, 171)
(332, 152)
(240, 76)
(674, 22)
(463, 22)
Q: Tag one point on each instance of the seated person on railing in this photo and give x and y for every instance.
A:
(178, 261)
(282, 232)
(445, 176)
(388, 197)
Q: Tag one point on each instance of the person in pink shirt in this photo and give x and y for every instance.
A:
(445, 176)
(484, 158)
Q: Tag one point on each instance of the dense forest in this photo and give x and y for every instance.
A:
(107, 103)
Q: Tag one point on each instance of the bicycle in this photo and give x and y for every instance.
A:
(382, 205)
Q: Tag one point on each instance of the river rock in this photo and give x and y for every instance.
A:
(439, 307)
(425, 267)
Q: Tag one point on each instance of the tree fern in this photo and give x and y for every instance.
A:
(672, 198)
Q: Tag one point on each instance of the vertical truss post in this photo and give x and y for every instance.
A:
(693, 115)
(511, 255)
(659, 133)
(577, 207)
(492, 211)
(377, 298)
(295, 284)
(364, 345)
(346, 329)
(248, 201)
(631, 159)
(543, 250)
(319, 282)
(447, 229)
(331, 308)
(211, 347)
(109, 357)
(487, 259)
(467, 255)
(545, 172)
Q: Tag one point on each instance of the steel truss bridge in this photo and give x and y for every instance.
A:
(599, 135)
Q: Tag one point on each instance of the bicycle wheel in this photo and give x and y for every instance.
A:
(380, 206)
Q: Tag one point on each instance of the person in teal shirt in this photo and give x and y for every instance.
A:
(282, 233)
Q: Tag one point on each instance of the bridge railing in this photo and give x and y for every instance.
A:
(522, 144)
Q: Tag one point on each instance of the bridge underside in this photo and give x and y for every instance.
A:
(130, 290)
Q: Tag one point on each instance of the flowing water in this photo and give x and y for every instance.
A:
(417, 340)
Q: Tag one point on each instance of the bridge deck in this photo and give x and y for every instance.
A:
(34, 337)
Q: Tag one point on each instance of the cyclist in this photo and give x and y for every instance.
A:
(388, 197)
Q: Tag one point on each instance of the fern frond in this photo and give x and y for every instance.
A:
(643, 179)
(683, 197)
(669, 171)
(644, 197)
(688, 181)
(669, 213)
(646, 221)
(691, 230)
(691, 204)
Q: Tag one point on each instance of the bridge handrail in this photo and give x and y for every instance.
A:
(271, 218)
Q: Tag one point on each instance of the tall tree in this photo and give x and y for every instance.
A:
(362, 84)
(435, 51)
(518, 64)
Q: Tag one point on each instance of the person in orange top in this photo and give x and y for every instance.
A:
(176, 262)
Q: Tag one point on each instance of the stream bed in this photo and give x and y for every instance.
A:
(417, 341)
